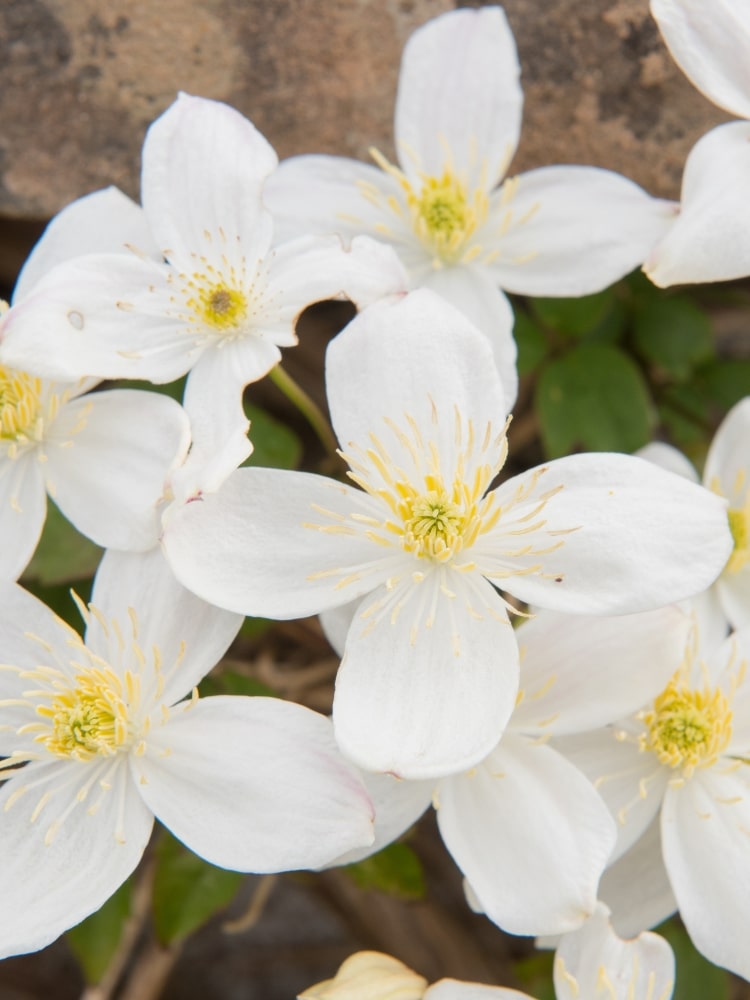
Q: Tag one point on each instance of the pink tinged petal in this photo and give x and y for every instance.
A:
(472, 291)
(594, 955)
(710, 238)
(61, 874)
(23, 508)
(328, 194)
(429, 678)
(630, 782)
(604, 534)
(710, 45)
(442, 387)
(580, 673)
(204, 165)
(103, 222)
(109, 458)
(705, 827)
(668, 457)
(398, 805)
(571, 230)
(140, 592)
(530, 834)
(109, 315)
(636, 887)
(452, 989)
(254, 784)
(459, 97)
(274, 544)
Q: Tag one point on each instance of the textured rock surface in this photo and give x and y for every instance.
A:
(80, 82)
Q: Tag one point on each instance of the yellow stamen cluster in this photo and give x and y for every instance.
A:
(739, 525)
(688, 727)
(435, 524)
(89, 720)
(220, 307)
(21, 417)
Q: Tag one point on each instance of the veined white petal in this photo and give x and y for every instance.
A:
(530, 834)
(153, 611)
(580, 672)
(471, 290)
(459, 97)
(594, 958)
(603, 533)
(704, 828)
(204, 165)
(429, 677)
(571, 230)
(710, 45)
(62, 873)
(710, 238)
(226, 546)
(254, 784)
(23, 508)
(103, 222)
(109, 457)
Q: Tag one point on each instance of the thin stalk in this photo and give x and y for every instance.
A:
(307, 407)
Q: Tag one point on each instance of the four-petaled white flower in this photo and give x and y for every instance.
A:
(97, 742)
(430, 674)
(566, 230)
(710, 237)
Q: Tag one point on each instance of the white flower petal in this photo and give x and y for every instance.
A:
(398, 805)
(530, 834)
(471, 290)
(704, 828)
(668, 457)
(428, 689)
(191, 636)
(109, 457)
(710, 238)
(572, 230)
(452, 989)
(733, 590)
(204, 165)
(254, 784)
(226, 546)
(710, 45)
(459, 97)
(325, 194)
(23, 508)
(580, 673)
(636, 888)
(49, 887)
(615, 535)
(440, 373)
(727, 468)
(108, 315)
(594, 955)
(102, 222)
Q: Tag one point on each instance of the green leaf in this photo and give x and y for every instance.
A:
(594, 398)
(63, 554)
(726, 382)
(674, 335)
(532, 343)
(230, 682)
(574, 317)
(686, 413)
(187, 890)
(275, 446)
(95, 940)
(697, 978)
(535, 974)
(396, 870)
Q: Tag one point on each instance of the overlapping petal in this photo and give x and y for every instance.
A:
(23, 507)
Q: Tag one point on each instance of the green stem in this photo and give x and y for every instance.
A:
(307, 406)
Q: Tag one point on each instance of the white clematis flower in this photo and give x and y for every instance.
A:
(675, 774)
(97, 742)
(458, 227)
(710, 238)
(104, 457)
(204, 293)
(726, 473)
(430, 674)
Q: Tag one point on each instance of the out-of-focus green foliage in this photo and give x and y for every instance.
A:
(396, 870)
(94, 941)
(697, 978)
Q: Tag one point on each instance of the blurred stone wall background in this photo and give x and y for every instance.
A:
(81, 80)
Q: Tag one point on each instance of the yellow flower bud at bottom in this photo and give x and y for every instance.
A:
(369, 975)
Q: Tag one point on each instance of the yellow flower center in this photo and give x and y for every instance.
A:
(739, 525)
(218, 306)
(688, 727)
(89, 720)
(20, 407)
(434, 524)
